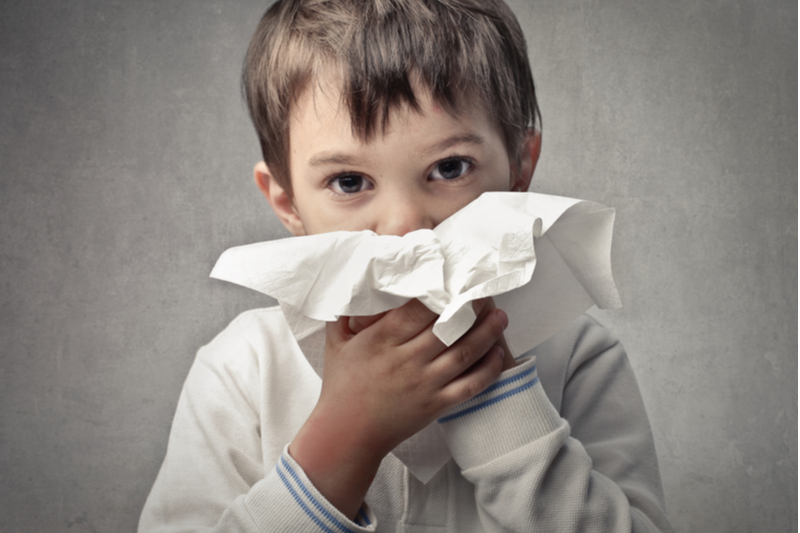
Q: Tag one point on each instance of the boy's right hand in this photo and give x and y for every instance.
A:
(384, 383)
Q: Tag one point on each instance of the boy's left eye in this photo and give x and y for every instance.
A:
(450, 169)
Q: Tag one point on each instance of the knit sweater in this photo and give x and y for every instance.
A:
(560, 443)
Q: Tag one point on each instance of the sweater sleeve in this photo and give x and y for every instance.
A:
(214, 477)
(591, 467)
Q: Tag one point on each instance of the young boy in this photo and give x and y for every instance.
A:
(391, 115)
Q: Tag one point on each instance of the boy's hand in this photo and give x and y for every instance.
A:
(359, 323)
(383, 384)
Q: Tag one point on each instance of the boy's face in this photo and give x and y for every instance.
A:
(426, 166)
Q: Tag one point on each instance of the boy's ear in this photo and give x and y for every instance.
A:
(279, 199)
(522, 172)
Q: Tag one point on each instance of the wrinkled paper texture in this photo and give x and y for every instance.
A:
(545, 260)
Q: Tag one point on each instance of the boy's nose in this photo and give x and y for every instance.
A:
(402, 217)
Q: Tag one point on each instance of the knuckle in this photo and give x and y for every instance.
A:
(463, 355)
(415, 311)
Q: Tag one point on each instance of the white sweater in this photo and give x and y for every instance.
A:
(561, 443)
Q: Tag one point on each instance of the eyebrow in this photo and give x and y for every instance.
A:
(339, 158)
(326, 158)
(455, 140)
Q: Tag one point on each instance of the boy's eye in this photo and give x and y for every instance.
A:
(450, 169)
(350, 184)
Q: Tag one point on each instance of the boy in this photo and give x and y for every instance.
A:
(391, 115)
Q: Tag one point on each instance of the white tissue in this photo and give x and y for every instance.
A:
(545, 259)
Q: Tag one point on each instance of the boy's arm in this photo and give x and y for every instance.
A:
(590, 467)
(213, 477)
(382, 385)
(227, 468)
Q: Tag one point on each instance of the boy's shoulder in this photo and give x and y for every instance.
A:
(252, 325)
(258, 320)
(250, 339)
(584, 347)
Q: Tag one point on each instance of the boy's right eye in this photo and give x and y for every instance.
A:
(350, 184)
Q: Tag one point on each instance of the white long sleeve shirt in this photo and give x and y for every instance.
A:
(560, 443)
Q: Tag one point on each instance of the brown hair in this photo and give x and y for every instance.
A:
(455, 48)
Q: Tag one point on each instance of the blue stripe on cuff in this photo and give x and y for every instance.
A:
(364, 517)
(302, 505)
(310, 496)
(502, 383)
(490, 401)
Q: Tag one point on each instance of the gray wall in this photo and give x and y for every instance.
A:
(126, 159)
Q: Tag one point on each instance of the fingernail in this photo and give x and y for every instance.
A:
(503, 318)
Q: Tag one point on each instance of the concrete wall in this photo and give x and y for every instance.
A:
(126, 170)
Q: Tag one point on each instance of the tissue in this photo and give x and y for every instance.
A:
(545, 260)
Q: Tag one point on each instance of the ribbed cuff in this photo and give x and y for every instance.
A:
(509, 414)
(292, 503)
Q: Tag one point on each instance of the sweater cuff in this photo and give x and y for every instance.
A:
(509, 414)
(290, 502)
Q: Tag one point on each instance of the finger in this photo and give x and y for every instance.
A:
(475, 380)
(337, 332)
(482, 306)
(426, 344)
(429, 345)
(509, 361)
(406, 322)
(471, 347)
(357, 324)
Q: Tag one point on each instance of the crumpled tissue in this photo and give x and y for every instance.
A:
(545, 260)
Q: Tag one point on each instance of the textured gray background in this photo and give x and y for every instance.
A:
(126, 161)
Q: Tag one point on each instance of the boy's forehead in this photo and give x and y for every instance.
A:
(322, 106)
